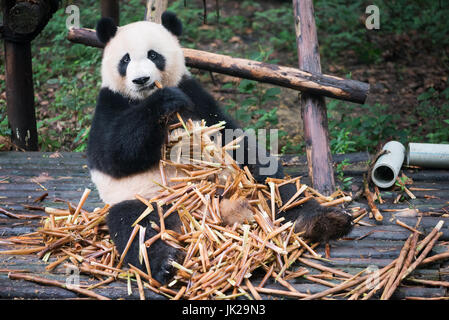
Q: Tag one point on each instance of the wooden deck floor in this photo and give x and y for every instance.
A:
(23, 177)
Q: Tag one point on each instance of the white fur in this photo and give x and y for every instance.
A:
(113, 190)
(137, 39)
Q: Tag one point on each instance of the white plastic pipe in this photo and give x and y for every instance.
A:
(428, 155)
(387, 167)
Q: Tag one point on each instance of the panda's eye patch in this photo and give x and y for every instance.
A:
(123, 65)
(126, 58)
(157, 58)
(152, 55)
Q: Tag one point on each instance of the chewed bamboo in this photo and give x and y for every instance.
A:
(219, 260)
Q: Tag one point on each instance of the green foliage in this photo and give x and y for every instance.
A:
(292, 148)
(345, 182)
(342, 142)
(73, 70)
(341, 26)
(361, 130)
(426, 17)
(436, 118)
(250, 108)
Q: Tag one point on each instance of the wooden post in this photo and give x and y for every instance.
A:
(20, 95)
(23, 21)
(19, 89)
(110, 8)
(313, 107)
(154, 10)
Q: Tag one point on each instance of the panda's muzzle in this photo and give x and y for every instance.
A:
(141, 81)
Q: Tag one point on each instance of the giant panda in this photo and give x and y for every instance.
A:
(130, 125)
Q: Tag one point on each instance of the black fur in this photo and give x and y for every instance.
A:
(123, 65)
(319, 223)
(171, 22)
(126, 136)
(157, 58)
(119, 220)
(106, 29)
(204, 105)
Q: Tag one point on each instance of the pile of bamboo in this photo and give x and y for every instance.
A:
(219, 260)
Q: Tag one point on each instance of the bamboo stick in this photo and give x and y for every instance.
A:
(89, 293)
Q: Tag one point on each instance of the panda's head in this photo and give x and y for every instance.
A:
(138, 54)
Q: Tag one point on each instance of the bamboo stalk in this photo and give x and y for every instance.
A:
(128, 245)
(369, 196)
(343, 286)
(253, 290)
(337, 201)
(405, 249)
(89, 293)
(81, 203)
(54, 245)
(54, 264)
(140, 286)
(282, 292)
(411, 254)
(324, 268)
(402, 224)
(430, 282)
(434, 258)
(22, 251)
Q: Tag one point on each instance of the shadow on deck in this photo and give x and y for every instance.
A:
(26, 176)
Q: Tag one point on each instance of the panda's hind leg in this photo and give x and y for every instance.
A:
(321, 224)
(119, 220)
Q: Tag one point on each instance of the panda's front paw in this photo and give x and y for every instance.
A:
(174, 99)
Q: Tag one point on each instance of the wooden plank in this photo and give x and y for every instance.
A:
(379, 246)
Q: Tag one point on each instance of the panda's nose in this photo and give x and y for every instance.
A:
(141, 80)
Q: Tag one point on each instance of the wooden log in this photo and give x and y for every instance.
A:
(313, 106)
(24, 20)
(24, 17)
(330, 86)
(110, 8)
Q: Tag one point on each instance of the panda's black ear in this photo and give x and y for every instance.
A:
(171, 22)
(106, 29)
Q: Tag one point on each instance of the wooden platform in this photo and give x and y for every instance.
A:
(26, 176)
